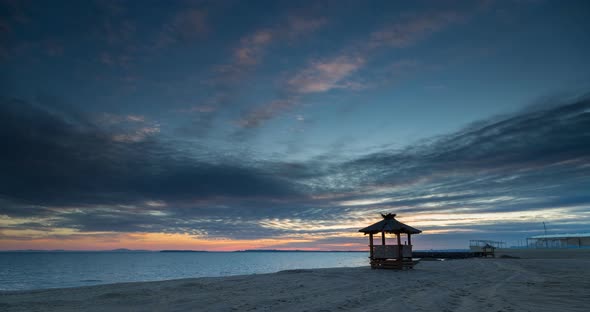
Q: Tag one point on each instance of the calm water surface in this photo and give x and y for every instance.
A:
(37, 270)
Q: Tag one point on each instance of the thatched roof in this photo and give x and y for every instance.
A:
(390, 225)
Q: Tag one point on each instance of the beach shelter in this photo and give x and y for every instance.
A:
(390, 256)
(488, 250)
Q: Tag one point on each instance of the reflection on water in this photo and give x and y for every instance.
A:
(37, 270)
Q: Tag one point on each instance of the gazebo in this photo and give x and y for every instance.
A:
(390, 256)
(489, 250)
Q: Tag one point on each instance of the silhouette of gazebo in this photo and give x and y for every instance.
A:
(390, 256)
(488, 250)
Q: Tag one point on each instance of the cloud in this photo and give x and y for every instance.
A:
(251, 51)
(257, 116)
(199, 109)
(521, 155)
(138, 135)
(496, 178)
(325, 75)
(106, 119)
(135, 118)
(301, 25)
(51, 160)
(411, 29)
(127, 128)
(318, 76)
(185, 26)
(328, 74)
(252, 47)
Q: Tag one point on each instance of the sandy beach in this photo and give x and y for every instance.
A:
(457, 285)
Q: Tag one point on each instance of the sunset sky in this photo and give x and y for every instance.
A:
(226, 125)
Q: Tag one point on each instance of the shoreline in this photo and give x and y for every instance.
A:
(457, 285)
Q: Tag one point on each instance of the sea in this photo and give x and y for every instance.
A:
(42, 270)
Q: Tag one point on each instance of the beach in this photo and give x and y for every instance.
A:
(454, 285)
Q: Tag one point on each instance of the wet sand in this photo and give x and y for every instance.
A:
(456, 285)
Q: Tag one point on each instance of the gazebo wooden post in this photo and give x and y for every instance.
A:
(371, 246)
(409, 239)
(383, 238)
(399, 245)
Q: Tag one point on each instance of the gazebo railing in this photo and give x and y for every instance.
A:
(391, 251)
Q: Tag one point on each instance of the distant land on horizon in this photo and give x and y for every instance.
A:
(64, 250)
(296, 250)
(177, 250)
(183, 250)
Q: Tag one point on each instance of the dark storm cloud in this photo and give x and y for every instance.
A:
(539, 149)
(58, 158)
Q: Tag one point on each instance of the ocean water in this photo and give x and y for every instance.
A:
(39, 270)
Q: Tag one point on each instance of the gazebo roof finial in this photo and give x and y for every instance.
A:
(389, 225)
(388, 216)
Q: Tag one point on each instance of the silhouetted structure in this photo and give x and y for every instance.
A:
(574, 240)
(488, 250)
(390, 256)
(485, 248)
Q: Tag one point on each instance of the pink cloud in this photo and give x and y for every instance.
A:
(128, 128)
(138, 135)
(262, 37)
(339, 72)
(321, 76)
(199, 109)
(252, 47)
(326, 75)
(135, 118)
(258, 116)
(302, 25)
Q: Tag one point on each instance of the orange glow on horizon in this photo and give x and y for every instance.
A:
(160, 241)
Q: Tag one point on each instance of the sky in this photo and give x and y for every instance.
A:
(231, 125)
